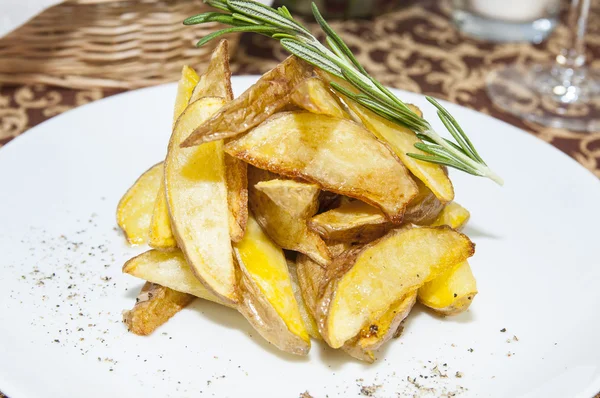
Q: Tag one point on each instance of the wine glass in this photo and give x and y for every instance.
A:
(565, 94)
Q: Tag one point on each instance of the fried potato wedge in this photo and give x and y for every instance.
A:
(374, 335)
(269, 94)
(169, 269)
(357, 221)
(216, 80)
(321, 149)
(236, 179)
(196, 190)
(154, 306)
(294, 196)
(352, 221)
(312, 278)
(268, 300)
(305, 312)
(285, 219)
(452, 292)
(313, 95)
(161, 234)
(187, 83)
(375, 276)
(134, 212)
(401, 140)
(424, 208)
(453, 215)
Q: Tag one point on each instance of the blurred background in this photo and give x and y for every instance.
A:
(531, 63)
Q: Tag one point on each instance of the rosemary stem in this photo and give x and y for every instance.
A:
(339, 61)
(482, 170)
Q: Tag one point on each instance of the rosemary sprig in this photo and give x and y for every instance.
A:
(338, 60)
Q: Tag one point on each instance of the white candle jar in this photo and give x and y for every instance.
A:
(507, 20)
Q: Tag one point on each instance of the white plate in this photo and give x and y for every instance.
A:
(61, 335)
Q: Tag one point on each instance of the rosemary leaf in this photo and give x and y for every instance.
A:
(311, 55)
(339, 43)
(263, 13)
(220, 4)
(256, 29)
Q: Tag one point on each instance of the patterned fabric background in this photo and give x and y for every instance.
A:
(416, 48)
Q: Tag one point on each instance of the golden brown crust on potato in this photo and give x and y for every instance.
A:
(154, 306)
(269, 94)
(314, 148)
(352, 221)
(287, 227)
(424, 208)
(216, 80)
(401, 140)
(262, 316)
(365, 280)
(314, 95)
(134, 211)
(236, 176)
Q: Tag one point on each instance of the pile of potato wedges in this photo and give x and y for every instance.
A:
(298, 208)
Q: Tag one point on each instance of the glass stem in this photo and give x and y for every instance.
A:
(573, 56)
(569, 69)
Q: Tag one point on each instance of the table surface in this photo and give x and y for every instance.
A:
(416, 48)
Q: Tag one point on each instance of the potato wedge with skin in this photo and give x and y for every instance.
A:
(309, 320)
(134, 212)
(169, 269)
(313, 95)
(236, 178)
(322, 149)
(373, 336)
(285, 221)
(401, 140)
(294, 196)
(196, 190)
(356, 221)
(453, 215)
(312, 278)
(352, 221)
(216, 80)
(268, 299)
(269, 94)
(154, 306)
(379, 274)
(452, 292)
(424, 208)
(188, 81)
(161, 234)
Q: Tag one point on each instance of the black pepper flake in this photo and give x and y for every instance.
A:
(503, 330)
(455, 295)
